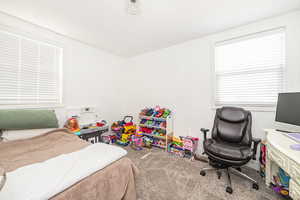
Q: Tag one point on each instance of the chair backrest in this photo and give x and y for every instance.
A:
(233, 125)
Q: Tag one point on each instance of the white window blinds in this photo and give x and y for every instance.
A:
(30, 71)
(249, 70)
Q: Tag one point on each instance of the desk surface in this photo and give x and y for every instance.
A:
(282, 142)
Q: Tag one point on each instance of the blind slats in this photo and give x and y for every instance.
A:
(250, 71)
(29, 71)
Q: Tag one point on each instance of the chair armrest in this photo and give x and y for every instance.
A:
(204, 131)
(255, 141)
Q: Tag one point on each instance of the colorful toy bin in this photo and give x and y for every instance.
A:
(124, 129)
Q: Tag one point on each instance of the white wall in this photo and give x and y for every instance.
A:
(180, 77)
(88, 73)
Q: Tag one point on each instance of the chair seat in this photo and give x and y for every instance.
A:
(227, 151)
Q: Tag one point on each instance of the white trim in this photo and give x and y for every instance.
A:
(250, 108)
(251, 35)
(3, 107)
(30, 36)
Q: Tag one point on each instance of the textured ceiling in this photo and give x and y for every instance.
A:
(161, 23)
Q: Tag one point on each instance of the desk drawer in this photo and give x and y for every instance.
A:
(294, 171)
(294, 190)
(277, 157)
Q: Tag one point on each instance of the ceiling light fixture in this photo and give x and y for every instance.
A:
(133, 7)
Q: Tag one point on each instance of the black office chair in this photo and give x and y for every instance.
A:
(230, 145)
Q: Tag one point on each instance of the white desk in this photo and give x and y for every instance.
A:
(280, 154)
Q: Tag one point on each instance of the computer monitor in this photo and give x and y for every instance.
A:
(288, 112)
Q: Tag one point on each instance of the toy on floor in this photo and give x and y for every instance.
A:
(109, 139)
(147, 142)
(190, 145)
(262, 159)
(176, 147)
(281, 183)
(159, 143)
(137, 141)
(124, 141)
(126, 132)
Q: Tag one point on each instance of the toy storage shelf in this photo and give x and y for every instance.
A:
(167, 138)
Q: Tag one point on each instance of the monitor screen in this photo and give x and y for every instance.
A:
(288, 108)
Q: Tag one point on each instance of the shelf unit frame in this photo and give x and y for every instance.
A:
(169, 129)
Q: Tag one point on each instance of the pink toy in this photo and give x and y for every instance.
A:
(190, 145)
(137, 142)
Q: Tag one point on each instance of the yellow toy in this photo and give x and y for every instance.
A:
(130, 129)
(177, 141)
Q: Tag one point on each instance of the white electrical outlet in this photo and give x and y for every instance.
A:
(87, 109)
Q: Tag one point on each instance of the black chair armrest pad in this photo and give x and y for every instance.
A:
(256, 140)
(204, 131)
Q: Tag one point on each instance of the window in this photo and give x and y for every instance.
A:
(250, 70)
(30, 71)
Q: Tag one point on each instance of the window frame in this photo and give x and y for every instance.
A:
(35, 37)
(241, 37)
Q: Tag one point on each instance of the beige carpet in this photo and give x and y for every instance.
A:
(166, 177)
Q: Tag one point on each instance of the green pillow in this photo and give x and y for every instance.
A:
(27, 119)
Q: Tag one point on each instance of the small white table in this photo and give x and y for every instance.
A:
(280, 154)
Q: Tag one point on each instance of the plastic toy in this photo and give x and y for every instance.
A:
(166, 113)
(149, 122)
(73, 125)
(146, 130)
(150, 112)
(130, 129)
(143, 121)
(101, 124)
(262, 159)
(190, 145)
(160, 113)
(109, 139)
(147, 142)
(176, 150)
(177, 141)
(124, 141)
(281, 183)
(136, 142)
(157, 123)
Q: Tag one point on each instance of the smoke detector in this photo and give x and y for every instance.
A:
(133, 7)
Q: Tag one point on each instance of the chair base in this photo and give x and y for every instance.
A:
(227, 170)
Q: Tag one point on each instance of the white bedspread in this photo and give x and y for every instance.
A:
(43, 180)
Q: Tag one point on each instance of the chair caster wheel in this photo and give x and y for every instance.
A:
(202, 173)
(229, 190)
(255, 186)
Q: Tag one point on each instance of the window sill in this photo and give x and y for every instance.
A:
(250, 108)
(32, 106)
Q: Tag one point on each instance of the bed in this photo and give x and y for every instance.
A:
(58, 165)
